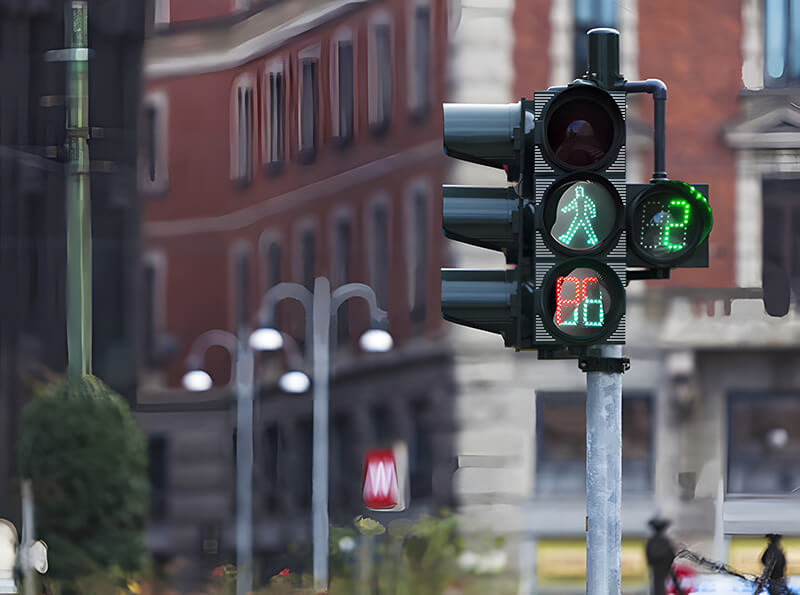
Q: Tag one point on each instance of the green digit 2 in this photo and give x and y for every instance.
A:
(666, 235)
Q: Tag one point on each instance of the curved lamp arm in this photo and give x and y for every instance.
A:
(378, 318)
(280, 292)
(212, 338)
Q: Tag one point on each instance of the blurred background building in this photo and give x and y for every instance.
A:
(279, 140)
(282, 141)
(711, 416)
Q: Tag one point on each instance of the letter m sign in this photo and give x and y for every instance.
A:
(384, 483)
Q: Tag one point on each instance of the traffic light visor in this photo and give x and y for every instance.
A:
(583, 129)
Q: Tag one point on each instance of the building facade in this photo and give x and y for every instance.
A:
(284, 141)
(711, 404)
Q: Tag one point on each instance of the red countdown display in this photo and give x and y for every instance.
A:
(583, 301)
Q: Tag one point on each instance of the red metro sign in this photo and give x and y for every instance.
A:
(384, 480)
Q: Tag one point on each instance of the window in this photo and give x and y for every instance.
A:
(342, 235)
(380, 76)
(272, 273)
(156, 346)
(242, 133)
(272, 450)
(308, 96)
(379, 253)
(420, 453)
(153, 145)
(781, 235)
(342, 81)
(344, 470)
(419, 61)
(781, 43)
(307, 248)
(304, 457)
(382, 426)
(588, 15)
(242, 289)
(417, 231)
(561, 444)
(157, 476)
(273, 142)
(763, 444)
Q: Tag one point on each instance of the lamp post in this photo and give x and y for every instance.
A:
(241, 349)
(320, 308)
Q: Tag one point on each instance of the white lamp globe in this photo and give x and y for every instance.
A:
(294, 382)
(266, 339)
(376, 341)
(197, 380)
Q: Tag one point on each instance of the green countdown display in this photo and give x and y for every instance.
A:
(669, 220)
(583, 214)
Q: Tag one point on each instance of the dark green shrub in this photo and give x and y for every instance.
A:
(87, 458)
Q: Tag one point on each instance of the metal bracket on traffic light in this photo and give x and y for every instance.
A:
(609, 365)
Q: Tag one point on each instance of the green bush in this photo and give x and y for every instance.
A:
(87, 458)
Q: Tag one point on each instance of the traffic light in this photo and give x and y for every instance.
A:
(668, 223)
(491, 217)
(579, 193)
(573, 231)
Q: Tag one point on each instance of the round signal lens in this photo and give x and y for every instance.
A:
(583, 128)
(583, 300)
(668, 222)
(581, 214)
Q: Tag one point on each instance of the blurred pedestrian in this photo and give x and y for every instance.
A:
(774, 561)
(660, 554)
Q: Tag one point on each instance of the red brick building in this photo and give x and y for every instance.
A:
(285, 141)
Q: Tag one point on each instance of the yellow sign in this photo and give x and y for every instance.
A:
(744, 554)
(563, 562)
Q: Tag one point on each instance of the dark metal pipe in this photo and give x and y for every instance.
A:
(659, 92)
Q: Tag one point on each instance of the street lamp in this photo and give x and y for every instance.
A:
(241, 349)
(320, 308)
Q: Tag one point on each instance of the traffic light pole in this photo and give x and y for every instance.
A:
(603, 468)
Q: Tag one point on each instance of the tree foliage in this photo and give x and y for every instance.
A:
(87, 458)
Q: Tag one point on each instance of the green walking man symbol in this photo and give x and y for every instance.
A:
(585, 212)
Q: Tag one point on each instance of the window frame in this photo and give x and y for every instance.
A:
(269, 238)
(419, 100)
(273, 160)
(157, 260)
(339, 278)
(579, 397)
(241, 249)
(381, 200)
(420, 187)
(786, 79)
(753, 396)
(380, 115)
(311, 54)
(342, 35)
(158, 101)
(242, 173)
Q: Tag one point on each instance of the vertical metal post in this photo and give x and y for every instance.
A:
(28, 531)
(603, 478)
(319, 486)
(79, 223)
(244, 465)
